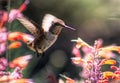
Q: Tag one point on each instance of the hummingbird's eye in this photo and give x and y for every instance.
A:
(52, 23)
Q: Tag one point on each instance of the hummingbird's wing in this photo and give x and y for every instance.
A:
(29, 25)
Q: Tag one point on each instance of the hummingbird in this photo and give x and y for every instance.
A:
(44, 35)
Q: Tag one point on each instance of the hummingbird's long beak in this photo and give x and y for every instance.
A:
(69, 27)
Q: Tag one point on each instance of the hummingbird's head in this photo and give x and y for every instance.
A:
(53, 24)
(56, 26)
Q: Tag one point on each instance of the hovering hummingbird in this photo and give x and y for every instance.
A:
(46, 36)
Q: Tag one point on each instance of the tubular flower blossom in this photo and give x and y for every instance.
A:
(114, 68)
(80, 43)
(60, 81)
(22, 80)
(3, 63)
(116, 72)
(14, 45)
(99, 43)
(77, 60)
(2, 48)
(27, 38)
(23, 6)
(76, 52)
(102, 81)
(14, 13)
(111, 48)
(110, 62)
(3, 18)
(14, 36)
(106, 54)
(5, 78)
(3, 39)
(20, 62)
(14, 75)
(3, 35)
(67, 79)
(109, 75)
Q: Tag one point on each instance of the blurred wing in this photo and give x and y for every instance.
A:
(28, 24)
(48, 21)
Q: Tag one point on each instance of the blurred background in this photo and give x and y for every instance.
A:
(92, 19)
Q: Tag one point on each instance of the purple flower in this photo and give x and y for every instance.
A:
(3, 63)
(2, 48)
(3, 39)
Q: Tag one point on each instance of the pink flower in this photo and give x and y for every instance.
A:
(3, 63)
(76, 52)
(15, 45)
(3, 18)
(14, 13)
(20, 62)
(16, 74)
(3, 35)
(2, 48)
(22, 80)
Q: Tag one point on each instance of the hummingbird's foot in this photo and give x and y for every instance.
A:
(37, 54)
